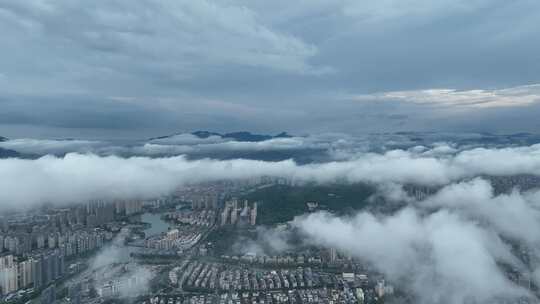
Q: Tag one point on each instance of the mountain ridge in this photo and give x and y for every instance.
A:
(244, 136)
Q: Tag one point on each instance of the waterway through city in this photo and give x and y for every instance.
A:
(157, 224)
(116, 252)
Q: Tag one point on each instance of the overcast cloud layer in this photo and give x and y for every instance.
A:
(119, 69)
(79, 177)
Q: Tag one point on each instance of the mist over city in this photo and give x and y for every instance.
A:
(234, 152)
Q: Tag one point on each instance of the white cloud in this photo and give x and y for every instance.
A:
(179, 144)
(447, 248)
(78, 177)
(387, 10)
(480, 98)
(50, 146)
(136, 277)
(513, 215)
(440, 257)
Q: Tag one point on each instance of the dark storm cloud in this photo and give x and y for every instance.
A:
(245, 64)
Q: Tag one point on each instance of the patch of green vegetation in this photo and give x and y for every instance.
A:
(223, 238)
(281, 203)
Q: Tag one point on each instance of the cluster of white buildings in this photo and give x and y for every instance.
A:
(8, 275)
(382, 289)
(16, 243)
(128, 207)
(205, 201)
(37, 271)
(204, 218)
(173, 239)
(121, 286)
(73, 243)
(45, 262)
(235, 215)
(202, 196)
(252, 258)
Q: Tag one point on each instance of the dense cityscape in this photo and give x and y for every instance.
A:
(269, 152)
(49, 254)
(166, 250)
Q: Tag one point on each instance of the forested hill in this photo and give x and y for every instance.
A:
(281, 203)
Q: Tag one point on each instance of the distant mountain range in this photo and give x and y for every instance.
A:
(6, 153)
(238, 136)
(379, 143)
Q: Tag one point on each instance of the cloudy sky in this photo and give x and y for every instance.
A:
(327, 71)
(125, 69)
